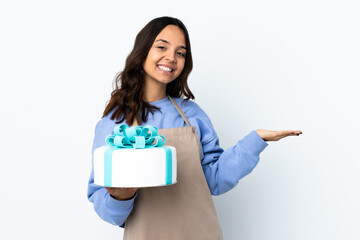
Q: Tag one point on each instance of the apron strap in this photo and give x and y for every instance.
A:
(178, 108)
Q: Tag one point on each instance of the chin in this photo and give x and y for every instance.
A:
(165, 81)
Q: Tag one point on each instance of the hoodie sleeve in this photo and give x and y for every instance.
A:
(224, 168)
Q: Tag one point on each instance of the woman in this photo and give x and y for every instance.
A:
(154, 81)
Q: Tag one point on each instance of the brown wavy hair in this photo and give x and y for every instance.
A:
(128, 95)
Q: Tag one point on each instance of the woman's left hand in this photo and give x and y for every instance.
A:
(269, 135)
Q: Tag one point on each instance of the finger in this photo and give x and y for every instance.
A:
(292, 132)
(298, 132)
(295, 133)
(109, 190)
(285, 133)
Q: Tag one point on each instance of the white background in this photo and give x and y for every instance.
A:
(257, 64)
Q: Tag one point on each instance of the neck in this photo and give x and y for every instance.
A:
(154, 91)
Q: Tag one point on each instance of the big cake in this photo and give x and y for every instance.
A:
(135, 157)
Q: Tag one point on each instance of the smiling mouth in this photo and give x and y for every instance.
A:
(166, 69)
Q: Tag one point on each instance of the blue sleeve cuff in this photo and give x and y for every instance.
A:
(254, 143)
(121, 204)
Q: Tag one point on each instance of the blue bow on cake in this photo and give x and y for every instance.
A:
(135, 137)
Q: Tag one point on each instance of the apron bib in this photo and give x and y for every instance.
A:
(184, 210)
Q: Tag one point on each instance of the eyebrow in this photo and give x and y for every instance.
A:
(162, 40)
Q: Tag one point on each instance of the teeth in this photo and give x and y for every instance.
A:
(165, 68)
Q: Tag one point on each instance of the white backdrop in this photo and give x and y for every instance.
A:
(257, 64)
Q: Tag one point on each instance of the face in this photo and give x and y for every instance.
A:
(166, 58)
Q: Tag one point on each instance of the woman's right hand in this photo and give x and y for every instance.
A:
(121, 193)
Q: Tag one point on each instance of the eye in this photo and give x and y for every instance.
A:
(161, 47)
(181, 54)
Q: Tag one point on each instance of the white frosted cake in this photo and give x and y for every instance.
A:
(145, 166)
(135, 167)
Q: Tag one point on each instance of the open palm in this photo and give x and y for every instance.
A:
(269, 135)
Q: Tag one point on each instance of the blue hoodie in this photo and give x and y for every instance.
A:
(222, 169)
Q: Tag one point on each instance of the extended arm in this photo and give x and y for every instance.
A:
(224, 169)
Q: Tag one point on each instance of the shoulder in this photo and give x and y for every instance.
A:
(191, 108)
(198, 118)
(105, 124)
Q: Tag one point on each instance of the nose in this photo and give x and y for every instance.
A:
(171, 57)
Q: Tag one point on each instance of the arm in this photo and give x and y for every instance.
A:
(224, 169)
(108, 208)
